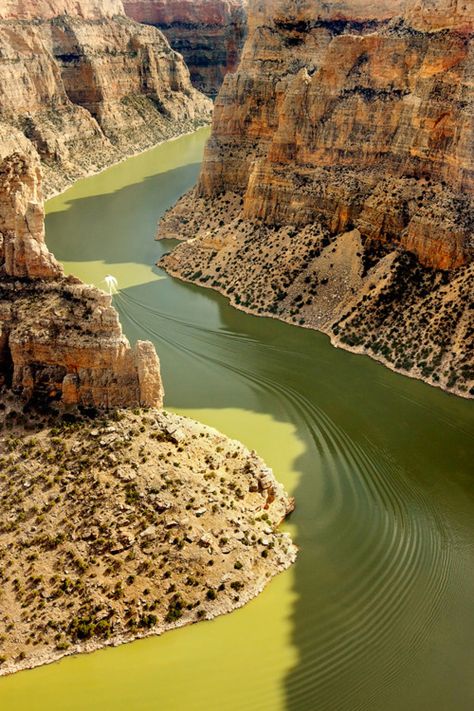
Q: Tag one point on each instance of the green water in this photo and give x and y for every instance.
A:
(377, 613)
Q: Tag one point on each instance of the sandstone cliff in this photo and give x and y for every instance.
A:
(343, 149)
(208, 33)
(86, 90)
(60, 340)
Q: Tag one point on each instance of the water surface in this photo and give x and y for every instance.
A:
(377, 612)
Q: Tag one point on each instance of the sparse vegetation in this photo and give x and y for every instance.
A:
(103, 538)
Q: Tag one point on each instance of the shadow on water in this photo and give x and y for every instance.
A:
(384, 499)
(117, 213)
(383, 482)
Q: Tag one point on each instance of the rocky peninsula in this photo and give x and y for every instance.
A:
(124, 526)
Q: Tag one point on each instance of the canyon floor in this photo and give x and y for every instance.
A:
(124, 526)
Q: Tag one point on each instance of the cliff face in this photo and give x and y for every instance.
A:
(208, 33)
(87, 91)
(60, 340)
(356, 120)
(47, 9)
(23, 251)
(330, 120)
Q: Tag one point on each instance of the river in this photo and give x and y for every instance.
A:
(377, 613)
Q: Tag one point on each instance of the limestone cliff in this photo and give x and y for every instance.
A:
(343, 149)
(86, 90)
(208, 33)
(60, 340)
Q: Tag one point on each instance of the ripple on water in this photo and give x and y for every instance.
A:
(365, 498)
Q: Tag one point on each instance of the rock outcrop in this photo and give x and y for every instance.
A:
(208, 33)
(60, 340)
(23, 251)
(87, 88)
(343, 149)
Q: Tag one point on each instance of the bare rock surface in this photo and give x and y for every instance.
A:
(47, 9)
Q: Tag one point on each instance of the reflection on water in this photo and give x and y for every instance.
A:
(376, 614)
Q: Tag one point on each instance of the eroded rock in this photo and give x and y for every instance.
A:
(60, 340)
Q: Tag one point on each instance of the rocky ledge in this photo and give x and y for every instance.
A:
(60, 340)
(337, 187)
(123, 527)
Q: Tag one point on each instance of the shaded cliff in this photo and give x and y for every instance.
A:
(337, 186)
(86, 90)
(60, 340)
(208, 33)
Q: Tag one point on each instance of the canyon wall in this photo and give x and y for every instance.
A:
(86, 90)
(337, 187)
(60, 340)
(47, 9)
(208, 33)
(354, 126)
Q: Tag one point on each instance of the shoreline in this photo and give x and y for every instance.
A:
(128, 156)
(96, 646)
(334, 341)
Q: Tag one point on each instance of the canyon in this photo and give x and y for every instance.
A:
(122, 522)
(84, 86)
(208, 33)
(337, 187)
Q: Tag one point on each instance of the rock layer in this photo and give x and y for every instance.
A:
(47, 9)
(86, 90)
(330, 120)
(208, 33)
(347, 130)
(23, 251)
(60, 340)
